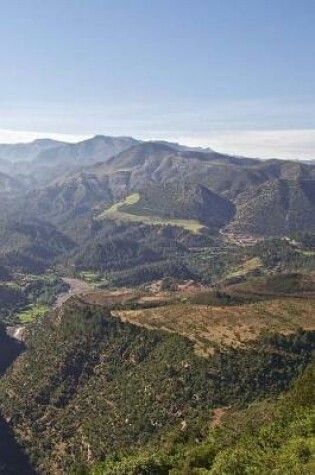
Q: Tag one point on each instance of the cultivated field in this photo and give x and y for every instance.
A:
(116, 214)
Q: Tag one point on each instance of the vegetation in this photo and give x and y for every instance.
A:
(27, 296)
(121, 211)
(32, 312)
(30, 245)
(107, 386)
(246, 442)
(282, 255)
(278, 207)
(9, 349)
(210, 325)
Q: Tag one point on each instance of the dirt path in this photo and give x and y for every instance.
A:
(77, 286)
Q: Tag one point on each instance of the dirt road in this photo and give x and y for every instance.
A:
(77, 286)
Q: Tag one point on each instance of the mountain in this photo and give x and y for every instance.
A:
(48, 159)
(278, 207)
(69, 198)
(30, 245)
(97, 149)
(27, 151)
(152, 165)
(149, 164)
(180, 201)
(153, 162)
(180, 210)
(183, 148)
(198, 277)
(131, 164)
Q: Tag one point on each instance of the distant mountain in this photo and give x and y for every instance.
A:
(47, 159)
(153, 162)
(69, 198)
(71, 185)
(97, 149)
(206, 186)
(27, 151)
(183, 148)
(147, 167)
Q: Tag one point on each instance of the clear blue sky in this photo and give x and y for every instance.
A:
(186, 68)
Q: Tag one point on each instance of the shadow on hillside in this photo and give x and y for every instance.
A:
(13, 461)
(10, 349)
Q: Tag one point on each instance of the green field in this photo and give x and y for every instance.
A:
(248, 266)
(114, 213)
(32, 312)
(95, 279)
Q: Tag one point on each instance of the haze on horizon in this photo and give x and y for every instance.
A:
(241, 81)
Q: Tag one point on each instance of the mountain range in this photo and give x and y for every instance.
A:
(156, 194)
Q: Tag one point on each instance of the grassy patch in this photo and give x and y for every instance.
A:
(248, 266)
(32, 312)
(95, 279)
(232, 325)
(114, 213)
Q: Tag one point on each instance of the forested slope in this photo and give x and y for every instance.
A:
(89, 385)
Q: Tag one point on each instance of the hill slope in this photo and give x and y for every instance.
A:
(278, 207)
(272, 438)
(105, 385)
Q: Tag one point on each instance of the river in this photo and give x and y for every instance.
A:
(77, 286)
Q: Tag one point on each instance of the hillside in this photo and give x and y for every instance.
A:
(107, 385)
(278, 207)
(181, 201)
(9, 185)
(30, 245)
(9, 349)
(210, 326)
(191, 207)
(269, 438)
(69, 157)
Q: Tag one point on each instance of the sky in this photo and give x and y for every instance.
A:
(235, 75)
